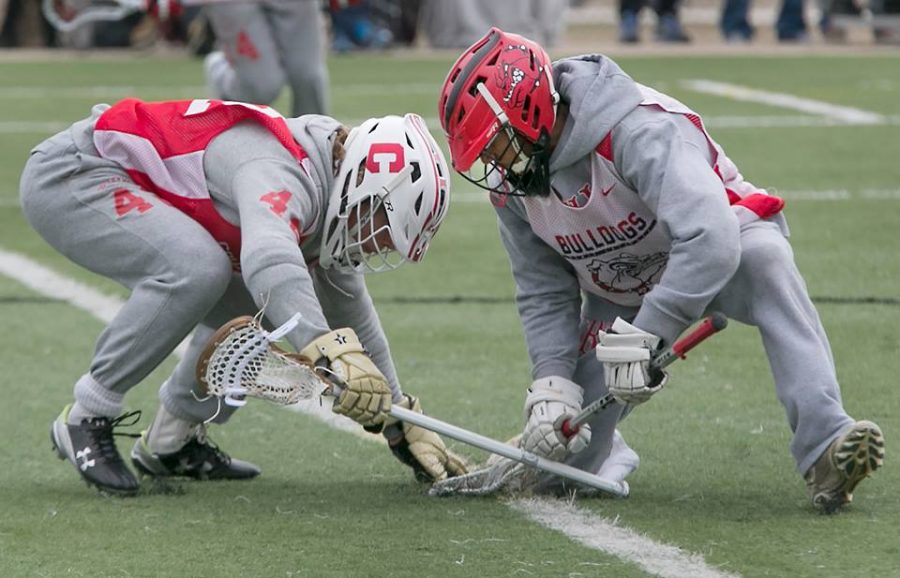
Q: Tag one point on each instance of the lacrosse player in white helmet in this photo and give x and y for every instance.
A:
(207, 210)
(625, 222)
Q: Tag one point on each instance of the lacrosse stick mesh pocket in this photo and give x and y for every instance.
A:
(241, 360)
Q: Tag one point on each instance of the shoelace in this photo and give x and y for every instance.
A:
(102, 430)
(208, 448)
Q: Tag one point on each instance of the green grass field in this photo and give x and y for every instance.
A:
(716, 479)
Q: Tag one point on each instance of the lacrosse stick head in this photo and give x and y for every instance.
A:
(69, 15)
(242, 360)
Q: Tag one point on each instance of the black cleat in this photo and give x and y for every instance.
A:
(199, 459)
(90, 447)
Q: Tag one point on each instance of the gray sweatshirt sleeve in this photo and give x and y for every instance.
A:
(668, 161)
(259, 186)
(272, 263)
(347, 303)
(547, 296)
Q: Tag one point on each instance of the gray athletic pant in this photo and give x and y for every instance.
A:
(178, 275)
(269, 44)
(767, 292)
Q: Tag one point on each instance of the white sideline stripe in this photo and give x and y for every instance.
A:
(580, 525)
(51, 284)
(841, 114)
(595, 532)
(47, 282)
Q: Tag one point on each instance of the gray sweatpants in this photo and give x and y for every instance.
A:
(89, 210)
(269, 44)
(767, 292)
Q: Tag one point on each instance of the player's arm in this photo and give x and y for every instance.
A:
(274, 203)
(346, 302)
(549, 303)
(548, 297)
(667, 160)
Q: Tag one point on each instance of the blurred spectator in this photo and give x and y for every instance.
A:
(264, 46)
(668, 25)
(736, 27)
(354, 26)
(459, 23)
(884, 16)
(22, 24)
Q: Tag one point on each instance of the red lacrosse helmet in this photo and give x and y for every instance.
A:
(503, 81)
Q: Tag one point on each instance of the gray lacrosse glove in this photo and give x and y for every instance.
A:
(550, 402)
(626, 352)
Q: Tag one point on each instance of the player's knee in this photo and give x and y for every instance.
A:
(263, 91)
(765, 259)
(207, 271)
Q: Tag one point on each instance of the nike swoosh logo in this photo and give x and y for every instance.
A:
(605, 192)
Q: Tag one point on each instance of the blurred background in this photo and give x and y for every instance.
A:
(561, 25)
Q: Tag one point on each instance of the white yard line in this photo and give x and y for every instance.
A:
(599, 533)
(838, 114)
(578, 524)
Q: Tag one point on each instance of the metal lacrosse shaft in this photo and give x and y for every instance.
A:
(507, 451)
(711, 325)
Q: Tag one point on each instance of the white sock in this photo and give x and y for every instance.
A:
(622, 461)
(168, 434)
(78, 414)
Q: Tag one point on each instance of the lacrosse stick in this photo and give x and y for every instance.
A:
(67, 15)
(712, 324)
(499, 473)
(242, 360)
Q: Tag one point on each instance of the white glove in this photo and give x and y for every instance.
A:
(625, 354)
(550, 402)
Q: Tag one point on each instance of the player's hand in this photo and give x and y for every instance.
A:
(550, 402)
(625, 352)
(424, 451)
(366, 395)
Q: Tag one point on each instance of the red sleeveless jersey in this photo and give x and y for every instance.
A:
(161, 146)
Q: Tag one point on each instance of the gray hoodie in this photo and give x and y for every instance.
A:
(246, 161)
(665, 160)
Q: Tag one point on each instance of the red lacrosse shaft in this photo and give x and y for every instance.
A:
(711, 325)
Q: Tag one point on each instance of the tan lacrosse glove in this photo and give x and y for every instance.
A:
(366, 395)
(424, 451)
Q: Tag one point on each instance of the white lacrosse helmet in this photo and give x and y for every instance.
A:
(391, 164)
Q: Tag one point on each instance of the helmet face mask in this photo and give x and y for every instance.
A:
(502, 86)
(390, 195)
(511, 165)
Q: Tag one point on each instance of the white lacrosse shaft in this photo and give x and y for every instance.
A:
(491, 445)
(507, 451)
(711, 325)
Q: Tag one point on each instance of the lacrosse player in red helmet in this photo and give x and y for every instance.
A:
(624, 222)
(207, 210)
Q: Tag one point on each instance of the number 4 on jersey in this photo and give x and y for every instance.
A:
(126, 201)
